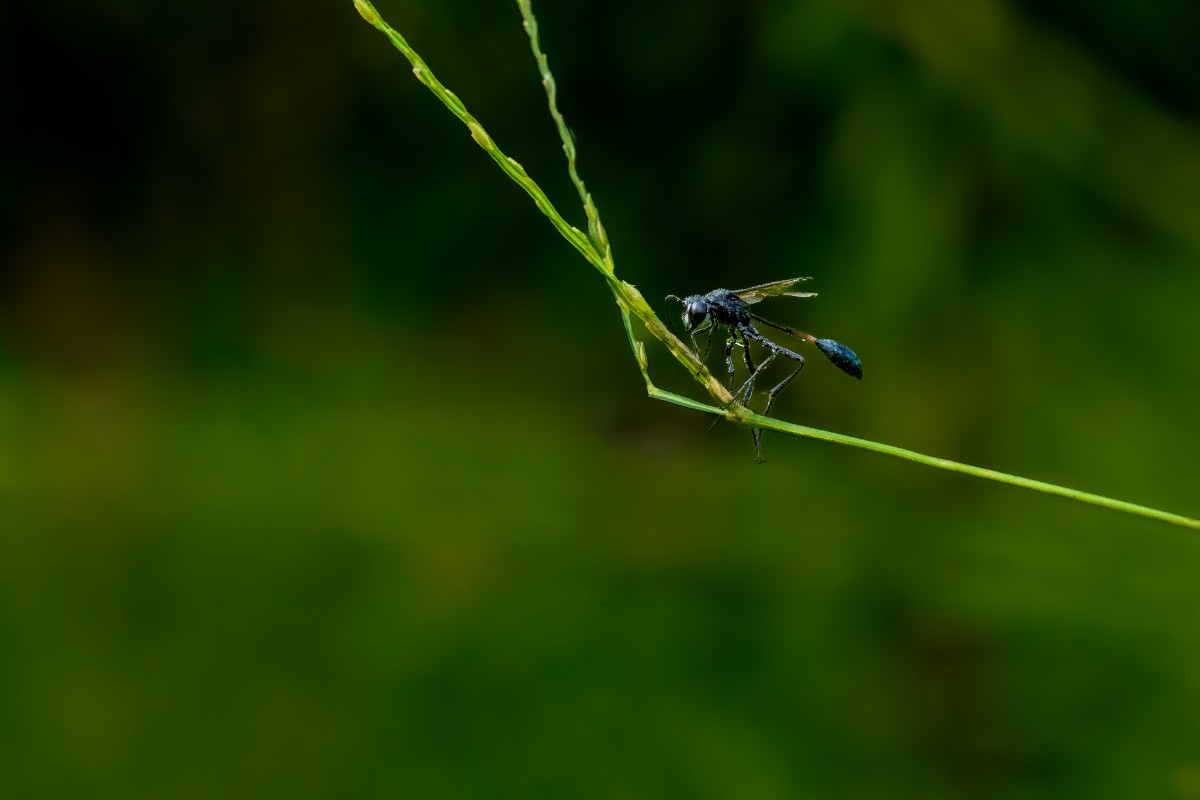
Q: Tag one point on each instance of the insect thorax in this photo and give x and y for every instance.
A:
(726, 308)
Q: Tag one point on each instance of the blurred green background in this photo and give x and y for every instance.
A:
(325, 469)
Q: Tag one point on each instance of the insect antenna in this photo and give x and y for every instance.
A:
(667, 307)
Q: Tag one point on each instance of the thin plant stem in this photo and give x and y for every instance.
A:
(595, 229)
(760, 421)
(594, 247)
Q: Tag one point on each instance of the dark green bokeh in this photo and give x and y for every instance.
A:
(325, 470)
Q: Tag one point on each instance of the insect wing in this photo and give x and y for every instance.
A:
(773, 289)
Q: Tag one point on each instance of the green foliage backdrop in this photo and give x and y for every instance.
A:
(325, 471)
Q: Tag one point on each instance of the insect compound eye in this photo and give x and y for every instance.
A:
(694, 312)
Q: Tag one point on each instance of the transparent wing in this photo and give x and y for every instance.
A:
(773, 289)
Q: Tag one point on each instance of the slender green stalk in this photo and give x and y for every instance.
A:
(978, 472)
(595, 247)
(598, 234)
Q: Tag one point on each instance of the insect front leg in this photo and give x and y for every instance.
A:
(707, 342)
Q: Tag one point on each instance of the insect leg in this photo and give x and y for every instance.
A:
(776, 350)
(782, 385)
(708, 341)
(730, 343)
(750, 368)
(707, 326)
(748, 387)
(757, 432)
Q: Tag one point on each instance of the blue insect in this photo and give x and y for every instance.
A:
(730, 310)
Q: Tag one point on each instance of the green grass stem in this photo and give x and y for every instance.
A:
(594, 246)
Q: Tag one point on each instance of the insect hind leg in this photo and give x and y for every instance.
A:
(776, 350)
(747, 388)
(771, 395)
